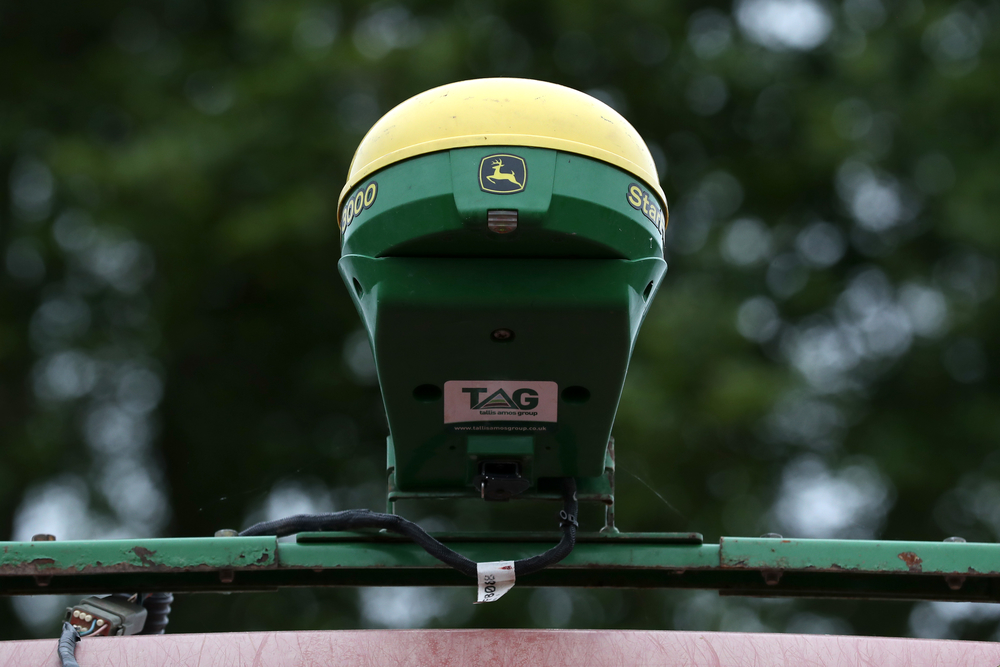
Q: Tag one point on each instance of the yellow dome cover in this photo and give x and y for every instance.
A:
(503, 112)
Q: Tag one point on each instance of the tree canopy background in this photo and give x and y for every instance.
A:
(178, 353)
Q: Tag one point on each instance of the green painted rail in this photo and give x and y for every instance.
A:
(734, 566)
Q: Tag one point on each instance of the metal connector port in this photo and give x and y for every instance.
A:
(107, 616)
(500, 480)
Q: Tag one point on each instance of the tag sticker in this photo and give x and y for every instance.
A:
(470, 401)
(495, 579)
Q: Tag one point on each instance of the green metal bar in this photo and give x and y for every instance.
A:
(154, 555)
(953, 558)
(735, 566)
(592, 552)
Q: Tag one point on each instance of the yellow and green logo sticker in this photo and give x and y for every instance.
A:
(503, 174)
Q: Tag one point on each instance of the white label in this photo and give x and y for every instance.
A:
(468, 401)
(495, 579)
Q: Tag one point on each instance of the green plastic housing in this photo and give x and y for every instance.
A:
(433, 284)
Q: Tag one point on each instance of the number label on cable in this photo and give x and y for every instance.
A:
(495, 579)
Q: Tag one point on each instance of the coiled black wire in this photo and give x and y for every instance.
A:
(67, 645)
(366, 519)
(157, 611)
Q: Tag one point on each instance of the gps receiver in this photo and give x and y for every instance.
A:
(502, 240)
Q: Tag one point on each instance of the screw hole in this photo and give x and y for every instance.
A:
(427, 393)
(358, 289)
(576, 394)
(502, 335)
(647, 291)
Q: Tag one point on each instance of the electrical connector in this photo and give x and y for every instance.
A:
(107, 616)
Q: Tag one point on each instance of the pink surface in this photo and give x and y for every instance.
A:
(496, 648)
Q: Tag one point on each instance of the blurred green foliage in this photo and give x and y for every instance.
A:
(178, 354)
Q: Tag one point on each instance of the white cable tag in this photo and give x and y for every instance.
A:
(495, 579)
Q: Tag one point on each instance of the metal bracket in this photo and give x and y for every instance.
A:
(588, 489)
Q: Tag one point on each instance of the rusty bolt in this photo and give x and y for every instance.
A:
(955, 581)
(43, 580)
(227, 575)
(771, 577)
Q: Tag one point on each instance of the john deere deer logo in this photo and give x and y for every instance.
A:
(502, 174)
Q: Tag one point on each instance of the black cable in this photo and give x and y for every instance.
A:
(366, 519)
(157, 611)
(67, 645)
(568, 523)
(158, 604)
